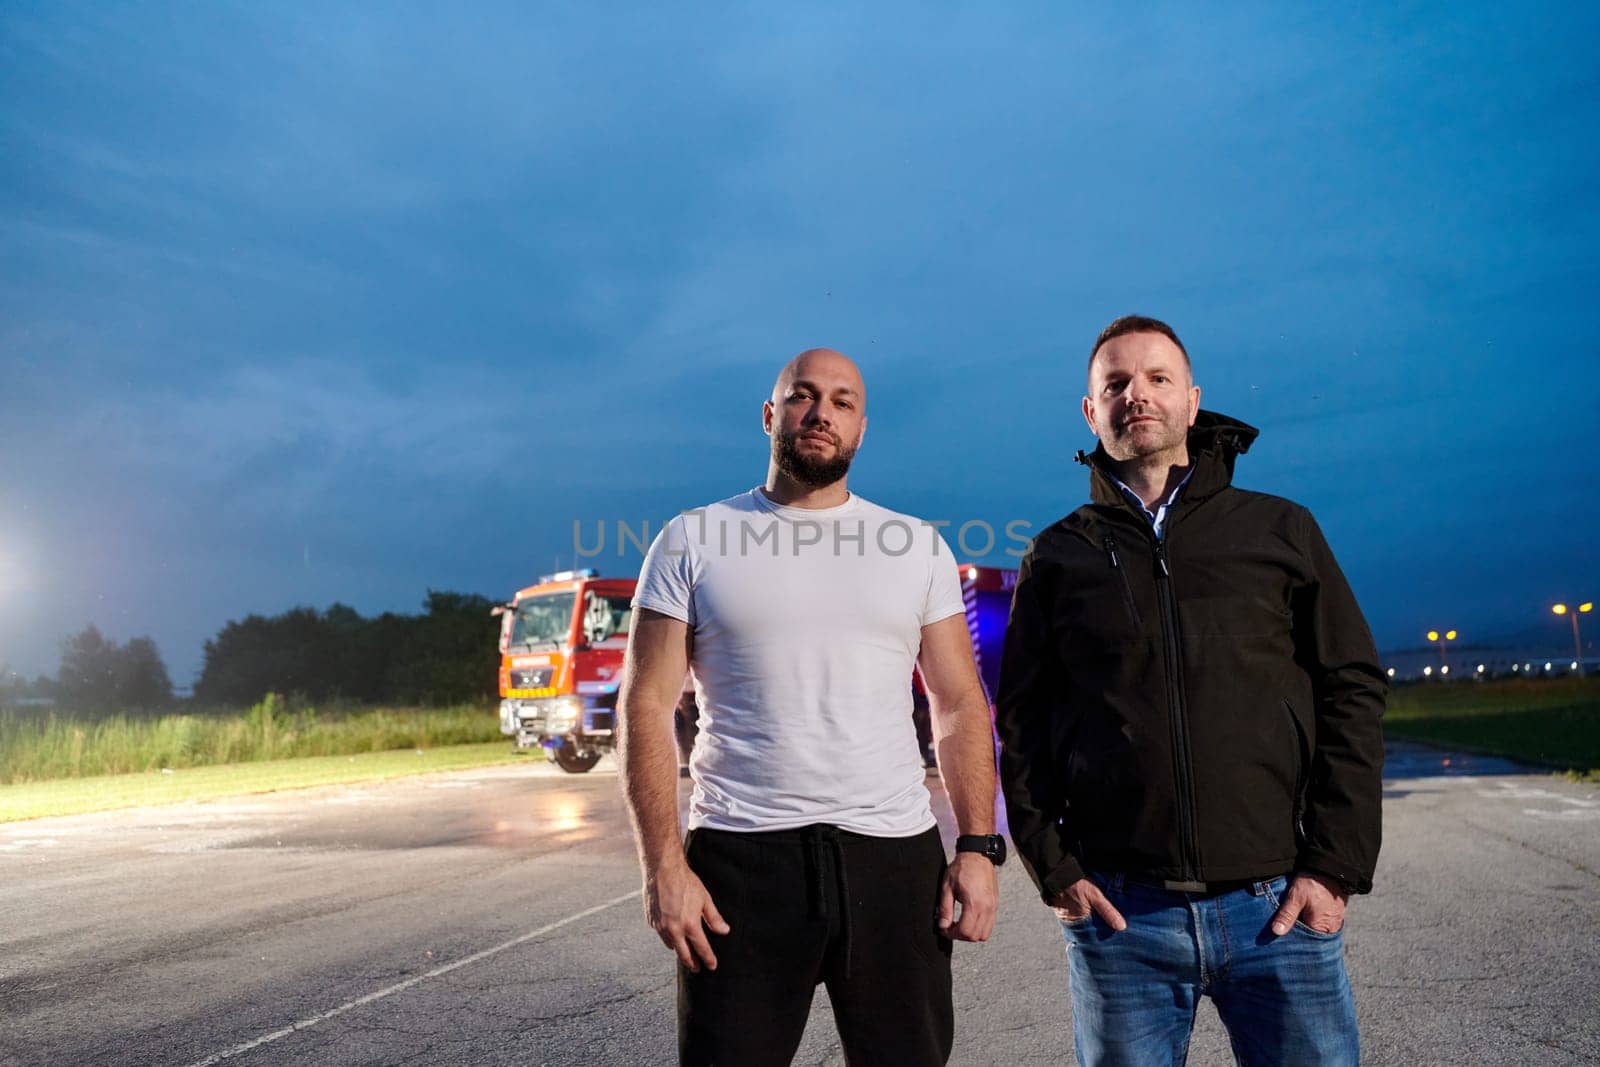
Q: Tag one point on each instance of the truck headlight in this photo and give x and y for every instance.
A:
(562, 714)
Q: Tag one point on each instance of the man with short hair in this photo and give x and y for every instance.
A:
(1189, 710)
(812, 854)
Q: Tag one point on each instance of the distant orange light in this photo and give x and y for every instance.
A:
(1433, 635)
(1560, 609)
(1586, 606)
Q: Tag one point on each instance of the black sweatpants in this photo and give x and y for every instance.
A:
(819, 905)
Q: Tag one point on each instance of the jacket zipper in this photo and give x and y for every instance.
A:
(1302, 770)
(1127, 587)
(1179, 716)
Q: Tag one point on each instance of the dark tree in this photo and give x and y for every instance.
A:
(89, 667)
(142, 680)
(449, 654)
(99, 674)
(444, 656)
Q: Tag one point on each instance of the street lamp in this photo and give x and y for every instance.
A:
(1440, 638)
(1573, 613)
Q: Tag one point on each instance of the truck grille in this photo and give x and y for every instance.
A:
(531, 677)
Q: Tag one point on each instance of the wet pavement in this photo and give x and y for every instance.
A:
(492, 916)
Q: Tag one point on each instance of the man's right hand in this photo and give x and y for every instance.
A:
(1082, 897)
(679, 910)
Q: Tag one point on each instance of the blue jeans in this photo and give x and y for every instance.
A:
(1283, 1000)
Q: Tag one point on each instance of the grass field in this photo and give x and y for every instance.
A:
(59, 766)
(65, 765)
(1554, 722)
(79, 796)
(36, 748)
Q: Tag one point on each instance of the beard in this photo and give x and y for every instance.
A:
(809, 471)
(1169, 432)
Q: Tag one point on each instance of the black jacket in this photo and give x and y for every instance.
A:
(1204, 708)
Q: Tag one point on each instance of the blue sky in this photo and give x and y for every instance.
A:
(300, 305)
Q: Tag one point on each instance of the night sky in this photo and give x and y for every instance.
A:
(301, 306)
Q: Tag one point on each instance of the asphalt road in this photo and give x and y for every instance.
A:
(492, 917)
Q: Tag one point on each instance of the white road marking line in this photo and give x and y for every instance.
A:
(1511, 791)
(29, 842)
(1569, 815)
(324, 1016)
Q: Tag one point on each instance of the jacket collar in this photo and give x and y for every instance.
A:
(1215, 441)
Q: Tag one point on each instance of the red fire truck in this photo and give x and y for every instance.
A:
(561, 648)
(562, 643)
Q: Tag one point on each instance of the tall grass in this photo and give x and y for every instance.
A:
(34, 748)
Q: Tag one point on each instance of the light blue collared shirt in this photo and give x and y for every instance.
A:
(1158, 519)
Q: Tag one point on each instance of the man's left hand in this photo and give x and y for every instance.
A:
(1316, 901)
(970, 881)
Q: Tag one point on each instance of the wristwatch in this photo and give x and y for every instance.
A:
(990, 845)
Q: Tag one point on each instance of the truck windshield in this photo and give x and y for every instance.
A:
(543, 619)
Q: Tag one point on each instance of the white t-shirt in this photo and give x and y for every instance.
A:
(807, 624)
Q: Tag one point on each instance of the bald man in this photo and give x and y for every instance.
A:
(812, 855)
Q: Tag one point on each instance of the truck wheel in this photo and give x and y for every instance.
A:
(569, 759)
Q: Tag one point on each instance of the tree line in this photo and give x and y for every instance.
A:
(97, 672)
(447, 654)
